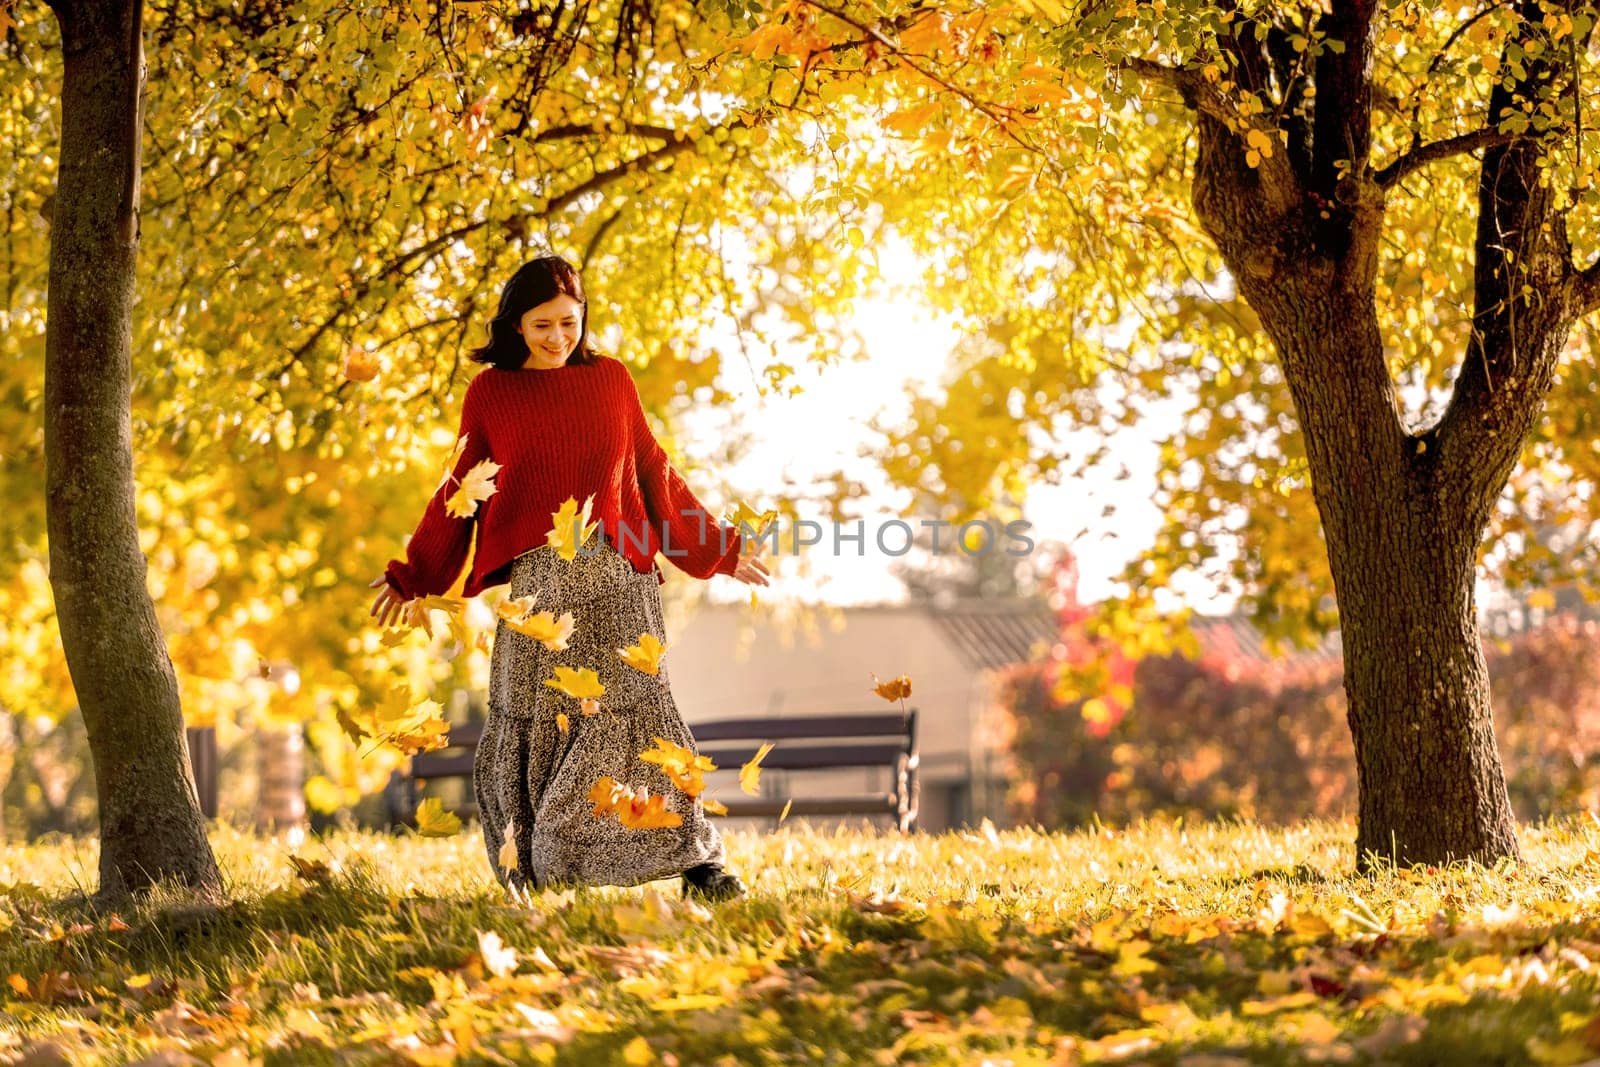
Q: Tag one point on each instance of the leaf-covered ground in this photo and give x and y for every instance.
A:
(1206, 945)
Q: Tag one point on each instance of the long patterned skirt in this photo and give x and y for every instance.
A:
(534, 779)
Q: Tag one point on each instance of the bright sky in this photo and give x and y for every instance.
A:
(796, 440)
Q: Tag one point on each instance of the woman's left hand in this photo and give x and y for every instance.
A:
(751, 570)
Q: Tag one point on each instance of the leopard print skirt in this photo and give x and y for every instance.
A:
(534, 780)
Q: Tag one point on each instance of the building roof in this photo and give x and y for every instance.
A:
(1233, 637)
(996, 633)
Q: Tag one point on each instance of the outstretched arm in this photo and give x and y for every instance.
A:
(439, 547)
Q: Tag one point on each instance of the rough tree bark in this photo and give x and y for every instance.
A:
(150, 823)
(1403, 509)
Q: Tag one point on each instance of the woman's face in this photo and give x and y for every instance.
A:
(552, 330)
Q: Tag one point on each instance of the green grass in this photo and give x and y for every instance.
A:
(1206, 945)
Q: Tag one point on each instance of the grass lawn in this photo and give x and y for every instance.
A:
(1205, 945)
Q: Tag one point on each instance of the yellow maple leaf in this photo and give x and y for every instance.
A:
(644, 656)
(476, 486)
(508, 850)
(425, 736)
(515, 609)
(545, 628)
(577, 683)
(713, 807)
(604, 795)
(681, 765)
(634, 810)
(745, 518)
(644, 811)
(563, 723)
(570, 528)
(750, 773)
(894, 689)
(434, 821)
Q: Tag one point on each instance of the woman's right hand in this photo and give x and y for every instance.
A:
(390, 607)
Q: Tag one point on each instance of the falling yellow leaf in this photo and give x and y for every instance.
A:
(577, 682)
(896, 689)
(784, 814)
(747, 518)
(450, 463)
(563, 723)
(477, 486)
(636, 810)
(411, 728)
(681, 765)
(515, 608)
(604, 795)
(644, 656)
(713, 807)
(570, 528)
(643, 811)
(750, 773)
(508, 849)
(545, 628)
(434, 821)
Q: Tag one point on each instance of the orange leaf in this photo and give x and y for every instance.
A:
(897, 689)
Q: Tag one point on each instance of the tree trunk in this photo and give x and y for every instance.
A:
(1402, 527)
(1402, 549)
(150, 824)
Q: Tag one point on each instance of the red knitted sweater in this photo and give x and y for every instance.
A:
(576, 430)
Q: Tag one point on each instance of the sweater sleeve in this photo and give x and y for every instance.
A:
(693, 540)
(439, 547)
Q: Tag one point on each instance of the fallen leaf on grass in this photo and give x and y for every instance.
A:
(499, 959)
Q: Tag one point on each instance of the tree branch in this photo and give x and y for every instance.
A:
(1584, 290)
(1341, 122)
(1417, 158)
(572, 130)
(994, 113)
(1523, 282)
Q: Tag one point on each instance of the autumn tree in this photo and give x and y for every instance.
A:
(331, 195)
(150, 823)
(1356, 236)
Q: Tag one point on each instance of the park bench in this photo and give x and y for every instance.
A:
(870, 740)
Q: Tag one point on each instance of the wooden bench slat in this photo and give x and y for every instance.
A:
(809, 757)
(871, 739)
(439, 765)
(806, 726)
(466, 734)
(885, 803)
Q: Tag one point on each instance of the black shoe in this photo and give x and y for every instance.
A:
(711, 883)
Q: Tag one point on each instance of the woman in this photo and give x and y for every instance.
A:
(565, 422)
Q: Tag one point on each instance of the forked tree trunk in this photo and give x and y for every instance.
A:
(1402, 547)
(1402, 510)
(150, 824)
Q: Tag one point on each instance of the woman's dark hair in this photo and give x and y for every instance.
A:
(535, 282)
